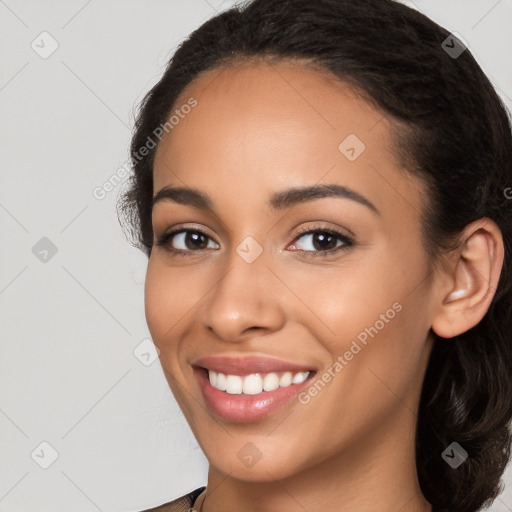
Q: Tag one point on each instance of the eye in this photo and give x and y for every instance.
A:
(319, 241)
(187, 240)
(322, 241)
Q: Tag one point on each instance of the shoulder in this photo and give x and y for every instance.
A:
(181, 504)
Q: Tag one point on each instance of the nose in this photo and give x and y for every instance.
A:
(245, 299)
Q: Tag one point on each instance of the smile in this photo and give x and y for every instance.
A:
(254, 383)
(249, 398)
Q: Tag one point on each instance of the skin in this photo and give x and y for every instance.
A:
(259, 128)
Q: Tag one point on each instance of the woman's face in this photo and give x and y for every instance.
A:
(351, 302)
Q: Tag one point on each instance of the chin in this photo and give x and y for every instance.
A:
(257, 461)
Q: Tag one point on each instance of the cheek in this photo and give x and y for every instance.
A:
(160, 301)
(342, 301)
(171, 295)
(154, 300)
(376, 302)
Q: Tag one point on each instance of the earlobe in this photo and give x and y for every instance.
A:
(473, 280)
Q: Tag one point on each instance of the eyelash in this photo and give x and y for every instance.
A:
(348, 242)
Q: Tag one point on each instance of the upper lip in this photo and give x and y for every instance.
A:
(244, 365)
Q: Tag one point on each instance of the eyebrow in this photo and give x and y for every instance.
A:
(278, 201)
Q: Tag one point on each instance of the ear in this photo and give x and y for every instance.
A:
(469, 282)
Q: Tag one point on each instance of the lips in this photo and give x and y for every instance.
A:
(245, 365)
(241, 407)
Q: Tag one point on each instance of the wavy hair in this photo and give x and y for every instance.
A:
(452, 131)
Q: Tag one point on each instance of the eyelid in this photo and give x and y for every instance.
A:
(316, 226)
(348, 241)
(167, 235)
(321, 227)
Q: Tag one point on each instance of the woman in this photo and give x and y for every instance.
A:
(321, 189)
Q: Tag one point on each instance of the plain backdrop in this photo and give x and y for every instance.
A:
(87, 421)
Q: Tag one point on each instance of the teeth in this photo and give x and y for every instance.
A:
(300, 377)
(270, 382)
(234, 384)
(220, 381)
(285, 380)
(254, 383)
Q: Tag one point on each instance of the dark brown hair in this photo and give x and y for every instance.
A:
(455, 135)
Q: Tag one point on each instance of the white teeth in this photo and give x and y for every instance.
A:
(270, 382)
(254, 383)
(234, 384)
(300, 377)
(285, 380)
(220, 382)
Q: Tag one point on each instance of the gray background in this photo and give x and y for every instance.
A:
(75, 370)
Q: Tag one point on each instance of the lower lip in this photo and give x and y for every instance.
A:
(246, 408)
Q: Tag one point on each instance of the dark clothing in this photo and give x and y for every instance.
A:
(181, 504)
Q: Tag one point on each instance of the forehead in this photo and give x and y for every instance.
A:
(260, 126)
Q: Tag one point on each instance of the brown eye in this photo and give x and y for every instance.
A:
(322, 242)
(185, 240)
